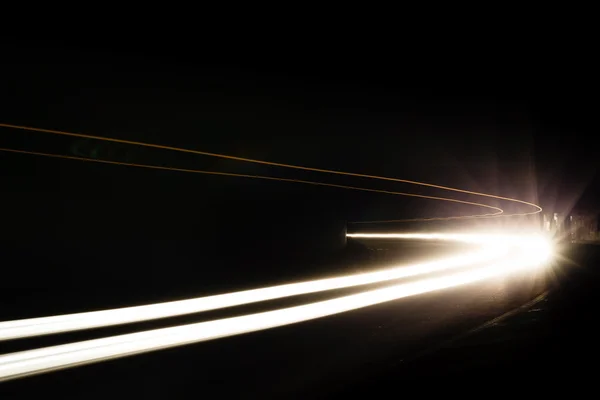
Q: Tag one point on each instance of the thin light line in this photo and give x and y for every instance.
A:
(244, 159)
(498, 210)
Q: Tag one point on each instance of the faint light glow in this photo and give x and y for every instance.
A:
(63, 356)
(86, 320)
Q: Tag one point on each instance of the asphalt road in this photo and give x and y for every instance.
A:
(307, 360)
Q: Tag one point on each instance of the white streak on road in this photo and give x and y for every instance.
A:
(71, 322)
(63, 356)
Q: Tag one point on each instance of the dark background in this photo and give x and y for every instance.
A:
(79, 236)
(513, 126)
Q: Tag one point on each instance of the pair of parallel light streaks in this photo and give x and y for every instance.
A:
(508, 260)
(498, 255)
(497, 211)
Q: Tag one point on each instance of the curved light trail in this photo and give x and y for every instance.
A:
(498, 211)
(536, 210)
(52, 358)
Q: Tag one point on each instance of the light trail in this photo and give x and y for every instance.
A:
(493, 246)
(536, 210)
(530, 251)
(497, 212)
(79, 321)
(533, 242)
(52, 358)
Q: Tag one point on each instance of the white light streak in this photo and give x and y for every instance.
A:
(63, 356)
(87, 320)
(469, 238)
(531, 243)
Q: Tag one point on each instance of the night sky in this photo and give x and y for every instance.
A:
(498, 125)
